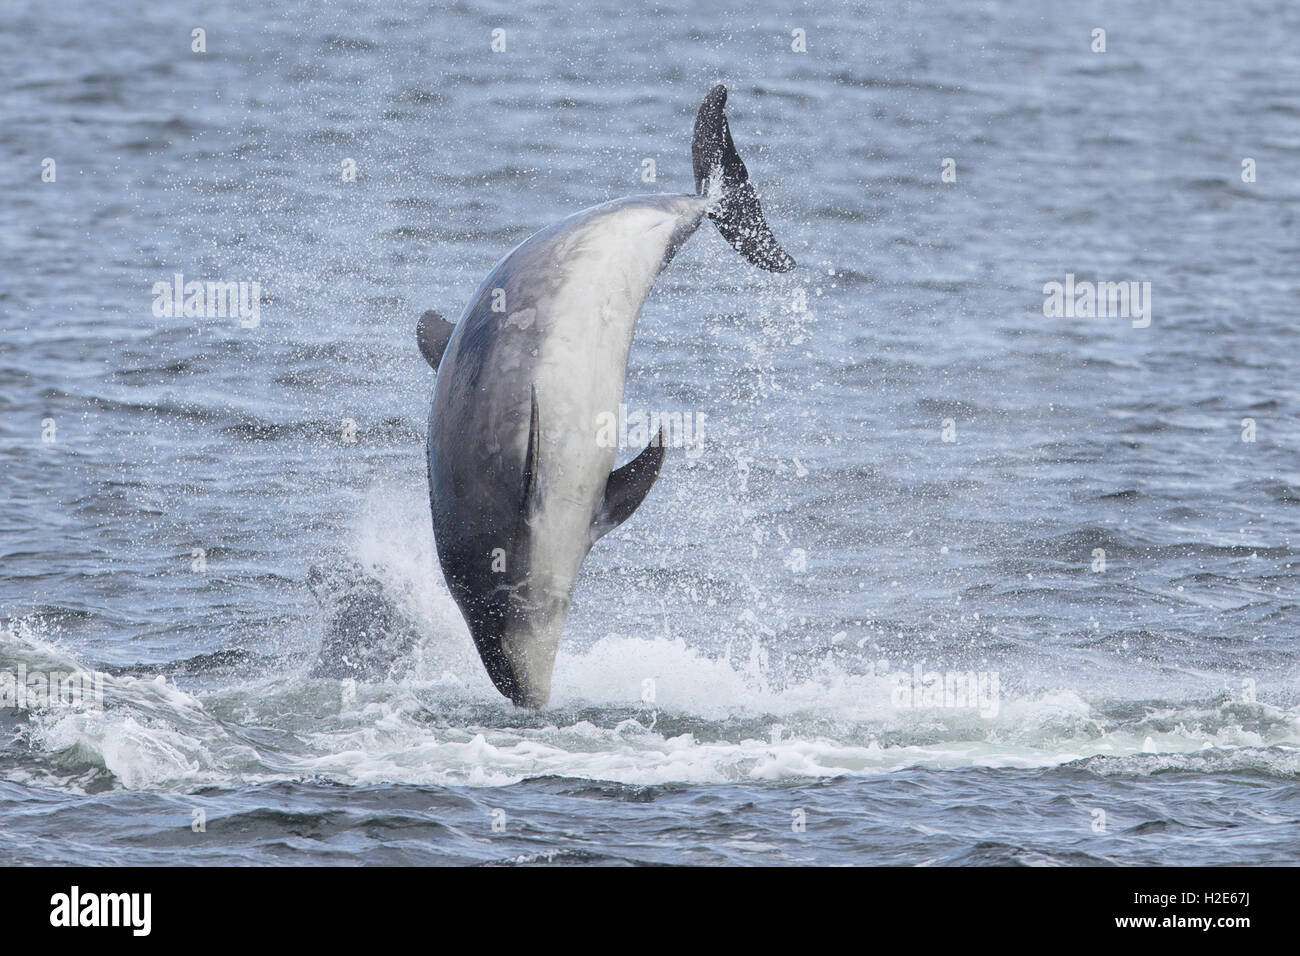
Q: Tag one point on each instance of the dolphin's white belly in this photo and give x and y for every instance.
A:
(611, 262)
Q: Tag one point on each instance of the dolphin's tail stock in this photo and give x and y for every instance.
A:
(718, 166)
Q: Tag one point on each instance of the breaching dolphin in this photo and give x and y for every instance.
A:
(519, 486)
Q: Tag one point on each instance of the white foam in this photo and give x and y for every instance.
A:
(627, 709)
(709, 724)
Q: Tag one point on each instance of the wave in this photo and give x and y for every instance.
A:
(634, 709)
(711, 721)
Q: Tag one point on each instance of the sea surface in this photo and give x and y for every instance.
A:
(908, 474)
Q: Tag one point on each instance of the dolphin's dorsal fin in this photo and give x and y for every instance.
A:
(532, 495)
(627, 487)
(432, 333)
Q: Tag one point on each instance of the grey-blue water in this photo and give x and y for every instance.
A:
(907, 468)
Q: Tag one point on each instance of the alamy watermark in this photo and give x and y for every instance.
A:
(638, 428)
(956, 690)
(208, 300)
(1098, 300)
(74, 908)
(38, 690)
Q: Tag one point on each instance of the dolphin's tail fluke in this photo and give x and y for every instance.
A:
(719, 169)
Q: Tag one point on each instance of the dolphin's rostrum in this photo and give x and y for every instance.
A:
(519, 486)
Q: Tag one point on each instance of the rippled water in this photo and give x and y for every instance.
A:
(728, 688)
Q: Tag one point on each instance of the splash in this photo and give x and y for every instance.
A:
(708, 722)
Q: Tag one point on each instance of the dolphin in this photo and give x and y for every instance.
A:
(519, 486)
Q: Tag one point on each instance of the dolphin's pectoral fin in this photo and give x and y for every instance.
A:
(627, 487)
(432, 333)
(532, 494)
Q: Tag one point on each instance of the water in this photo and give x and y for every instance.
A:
(730, 670)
